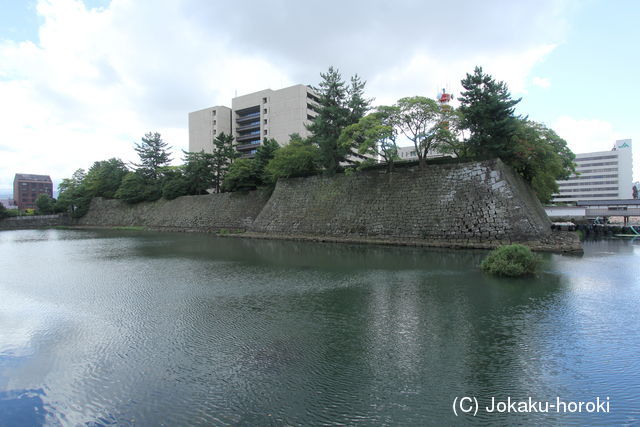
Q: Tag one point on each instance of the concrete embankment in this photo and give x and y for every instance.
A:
(467, 205)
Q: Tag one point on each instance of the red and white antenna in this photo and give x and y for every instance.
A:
(444, 98)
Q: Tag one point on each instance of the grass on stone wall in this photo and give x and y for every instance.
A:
(511, 261)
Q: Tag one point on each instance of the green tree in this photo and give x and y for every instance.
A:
(249, 174)
(3, 212)
(104, 178)
(198, 172)
(138, 187)
(541, 157)
(267, 150)
(73, 196)
(298, 158)
(488, 114)
(374, 136)
(154, 155)
(175, 183)
(44, 204)
(224, 153)
(339, 107)
(420, 120)
(243, 175)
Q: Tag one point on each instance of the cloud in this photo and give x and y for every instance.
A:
(541, 82)
(586, 135)
(97, 79)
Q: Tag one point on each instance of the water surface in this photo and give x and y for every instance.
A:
(141, 328)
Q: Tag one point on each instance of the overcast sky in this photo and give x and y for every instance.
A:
(81, 81)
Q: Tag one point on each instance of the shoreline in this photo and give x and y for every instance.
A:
(564, 242)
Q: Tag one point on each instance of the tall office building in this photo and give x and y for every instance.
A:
(205, 125)
(265, 114)
(27, 187)
(602, 175)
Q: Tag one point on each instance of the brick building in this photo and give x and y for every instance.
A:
(27, 187)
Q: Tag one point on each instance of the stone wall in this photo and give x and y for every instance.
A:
(230, 211)
(475, 204)
(469, 202)
(35, 221)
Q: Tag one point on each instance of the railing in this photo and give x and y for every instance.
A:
(250, 136)
(249, 126)
(247, 146)
(247, 117)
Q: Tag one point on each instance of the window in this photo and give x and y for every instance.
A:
(214, 131)
(265, 131)
(264, 100)
(215, 122)
(213, 113)
(265, 111)
(265, 121)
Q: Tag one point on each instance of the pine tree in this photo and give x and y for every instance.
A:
(488, 113)
(223, 156)
(154, 155)
(340, 106)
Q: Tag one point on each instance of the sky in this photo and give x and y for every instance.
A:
(82, 81)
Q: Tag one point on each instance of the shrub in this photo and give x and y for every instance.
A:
(175, 186)
(511, 260)
(295, 159)
(137, 188)
(243, 175)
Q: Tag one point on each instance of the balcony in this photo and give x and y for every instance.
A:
(250, 146)
(247, 117)
(249, 136)
(253, 125)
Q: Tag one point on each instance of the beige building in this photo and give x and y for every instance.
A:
(265, 114)
(601, 175)
(205, 125)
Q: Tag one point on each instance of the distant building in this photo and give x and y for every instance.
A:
(602, 175)
(27, 187)
(8, 203)
(409, 153)
(265, 114)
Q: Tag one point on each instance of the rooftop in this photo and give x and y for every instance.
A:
(32, 177)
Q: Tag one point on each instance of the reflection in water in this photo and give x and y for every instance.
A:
(111, 327)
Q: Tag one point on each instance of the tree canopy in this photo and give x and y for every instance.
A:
(488, 114)
(339, 107)
(224, 153)
(154, 155)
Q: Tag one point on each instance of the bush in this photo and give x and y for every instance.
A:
(175, 186)
(511, 260)
(137, 188)
(295, 159)
(45, 204)
(243, 175)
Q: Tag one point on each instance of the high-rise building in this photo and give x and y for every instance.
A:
(27, 187)
(205, 125)
(265, 114)
(602, 175)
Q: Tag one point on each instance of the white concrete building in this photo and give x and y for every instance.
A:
(602, 175)
(409, 153)
(265, 114)
(205, 125)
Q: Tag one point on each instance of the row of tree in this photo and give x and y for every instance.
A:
(484, 126)
(346, 134)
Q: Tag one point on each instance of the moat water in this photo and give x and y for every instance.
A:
(142, 328)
